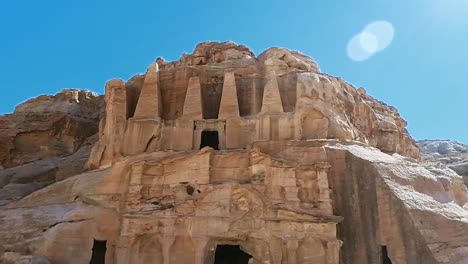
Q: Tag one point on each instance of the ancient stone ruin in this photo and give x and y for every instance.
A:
(225, 157)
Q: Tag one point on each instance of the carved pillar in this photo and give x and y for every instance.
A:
(324, 189)
(333, 251)
(308, 191)
(166, 242)
(291, 248)
(276, 253)
(122, 253)
(200, 249)
(273, 188)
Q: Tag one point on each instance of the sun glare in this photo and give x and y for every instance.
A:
(375, 37)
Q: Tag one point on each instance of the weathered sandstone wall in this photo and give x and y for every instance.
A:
(218, 155)
(281, 95)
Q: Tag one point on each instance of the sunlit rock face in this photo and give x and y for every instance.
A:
(45, 140)
(223, 87)
(443, 154)
(225, 156)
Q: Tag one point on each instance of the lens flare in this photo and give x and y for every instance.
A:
(374, 38)
(368, 41)
(356, 51)
(383, 32)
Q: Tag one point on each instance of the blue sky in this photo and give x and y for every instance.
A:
(46, 46)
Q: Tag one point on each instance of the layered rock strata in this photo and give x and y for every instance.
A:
(223, 155)
(45, 140)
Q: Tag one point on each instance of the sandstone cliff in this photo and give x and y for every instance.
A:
(46, 139)
(226, 155)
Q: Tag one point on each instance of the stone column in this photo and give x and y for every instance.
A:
(333, 251)
(276, 253)
(122, 252)
(200, 249)
(324, 189)
(166, 242)
(291, 247)
(123, 247)
(274, 190)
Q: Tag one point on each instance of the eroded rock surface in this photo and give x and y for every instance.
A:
(281, 95)
(46, 139)
(443, 154)
(264, 159)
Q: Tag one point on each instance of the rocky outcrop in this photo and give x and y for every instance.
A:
(46, 139)
(388, 201)
(223, 155)
(443, 154)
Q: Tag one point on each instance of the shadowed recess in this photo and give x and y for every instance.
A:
(99, 252)
(231, 254)
(210, 139)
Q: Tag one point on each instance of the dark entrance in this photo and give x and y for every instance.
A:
(230, 254)
(99, 252)
(385, 258)
(210, 139)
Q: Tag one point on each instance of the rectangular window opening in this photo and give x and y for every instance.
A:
(209, 139)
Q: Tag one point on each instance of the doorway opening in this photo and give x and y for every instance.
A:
(210, 139)
(99, 252)
(385, 257)
(231, 254)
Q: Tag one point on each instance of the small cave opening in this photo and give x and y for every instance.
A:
(99, 252)
(385, 257)
(210, 139)
(231, 254)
